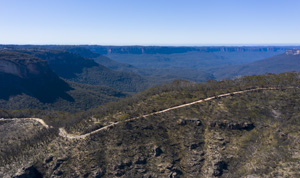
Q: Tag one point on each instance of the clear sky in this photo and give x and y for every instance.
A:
(150, 22)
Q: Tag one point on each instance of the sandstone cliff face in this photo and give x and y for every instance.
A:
(22, 65)
(10, 68)
(23, 73)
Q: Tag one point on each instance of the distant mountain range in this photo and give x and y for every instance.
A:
(175, 50)
(276, 64)
(200, 58)
(49, 73)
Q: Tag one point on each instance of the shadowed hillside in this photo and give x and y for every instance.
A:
(28, 82)
(23, 73)
(76, 68)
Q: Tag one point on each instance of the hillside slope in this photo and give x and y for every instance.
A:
(81, 97)
(28, 82)
(136, 68)
(157, 76)
(276, 64)
(165, 64)
(23, 73)
(76, 68)
(83, 70)
(251, 134)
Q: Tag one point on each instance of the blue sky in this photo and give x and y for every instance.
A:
(150, 22)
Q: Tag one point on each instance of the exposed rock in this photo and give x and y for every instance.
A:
(59, 162)
(57, 173)
(157, 151)
(218, 167)
(149, 127)
(140, 160)
(99, 173)
(183, 122)
(165, 167)
(28, 172)
(251, 176)
(195, 145)
(175, 173)
(225, 124)
(123, 165)
(119, 173)
(49, 159)
(141, 170)
(195, 120)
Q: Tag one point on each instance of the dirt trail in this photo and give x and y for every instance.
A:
(63, 133)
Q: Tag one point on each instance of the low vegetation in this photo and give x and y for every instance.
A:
(251, 134)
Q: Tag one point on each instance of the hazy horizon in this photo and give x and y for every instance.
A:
(162, 45)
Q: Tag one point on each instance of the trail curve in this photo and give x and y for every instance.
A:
(63, 133)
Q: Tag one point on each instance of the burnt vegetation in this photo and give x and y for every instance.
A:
(216, 138)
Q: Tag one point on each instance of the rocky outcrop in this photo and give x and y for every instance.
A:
(227, 124)
(28, 172)
(157, 151)
(195, 121)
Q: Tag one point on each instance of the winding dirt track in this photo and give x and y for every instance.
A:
(63, 133)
